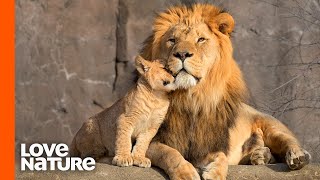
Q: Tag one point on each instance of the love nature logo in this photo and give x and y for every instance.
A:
(40, 158)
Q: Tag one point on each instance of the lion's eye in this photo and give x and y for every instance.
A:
(202, 39)
(172, 40)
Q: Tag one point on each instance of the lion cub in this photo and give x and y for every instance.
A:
(145, 109)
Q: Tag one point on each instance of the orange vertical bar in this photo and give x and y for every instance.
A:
(7, 89)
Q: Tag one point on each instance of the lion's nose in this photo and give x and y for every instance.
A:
(182, 55)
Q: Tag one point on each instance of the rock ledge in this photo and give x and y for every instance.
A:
(241, 172)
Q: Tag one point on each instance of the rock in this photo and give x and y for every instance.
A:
(272, 172)
(243, 172)
(65, 52)
(134, 25)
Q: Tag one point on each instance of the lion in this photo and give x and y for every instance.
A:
(208, 125)
(142, 111)
(145, 109)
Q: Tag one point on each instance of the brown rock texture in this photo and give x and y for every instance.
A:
(74, 57)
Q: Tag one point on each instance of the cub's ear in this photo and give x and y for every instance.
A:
(224, 22)
(142, 65)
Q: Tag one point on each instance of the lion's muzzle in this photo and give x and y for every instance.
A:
(182, 69)
(185, 80)
(182, 55)
(183, 63)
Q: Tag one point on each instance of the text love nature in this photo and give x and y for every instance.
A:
(42, 157)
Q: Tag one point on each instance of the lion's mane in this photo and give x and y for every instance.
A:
(199, 118)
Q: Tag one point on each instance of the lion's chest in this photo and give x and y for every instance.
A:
(194, 135)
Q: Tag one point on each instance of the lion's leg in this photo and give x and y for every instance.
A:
(261, 156)
(171, 161)
(215, 166)
(254, 150)
(282, 142)
(123, 142)
(141, 146)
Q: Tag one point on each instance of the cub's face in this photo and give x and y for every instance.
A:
(190, 52)
(159, 78)
(156, 75)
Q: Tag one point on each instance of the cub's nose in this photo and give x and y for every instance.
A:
(182, 55)
(166, 83)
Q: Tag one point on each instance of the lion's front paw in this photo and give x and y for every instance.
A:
(122, 160)
(213, 175)
(214, 171)
(296, 158)
(261, 156)
(141, 161)
(184, 171)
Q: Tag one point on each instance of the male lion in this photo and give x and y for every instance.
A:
(208, 125)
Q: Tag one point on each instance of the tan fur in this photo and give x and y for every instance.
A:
(208, 122)
(144, 109)
(215, 166)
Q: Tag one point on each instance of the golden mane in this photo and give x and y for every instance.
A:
(225, 83)
(214, 102)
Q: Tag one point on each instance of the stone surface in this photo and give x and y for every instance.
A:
(105, 171)
(74, 58)
(65, 53)
(133, 27)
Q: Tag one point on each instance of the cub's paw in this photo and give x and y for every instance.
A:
(261, 156)
(184, 171)
(123, 161)
(296, 158)
(141, 161)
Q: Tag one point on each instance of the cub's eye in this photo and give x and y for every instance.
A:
(172, 40)
(202, 39)
(166, 83)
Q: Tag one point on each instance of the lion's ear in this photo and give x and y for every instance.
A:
(225, 23)
(142, 65)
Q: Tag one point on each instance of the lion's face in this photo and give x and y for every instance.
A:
(190, 40)
(190, 52)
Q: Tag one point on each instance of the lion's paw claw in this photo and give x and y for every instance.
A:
(261, 156)
(185, 171)
(122, 161)
(296, 158)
